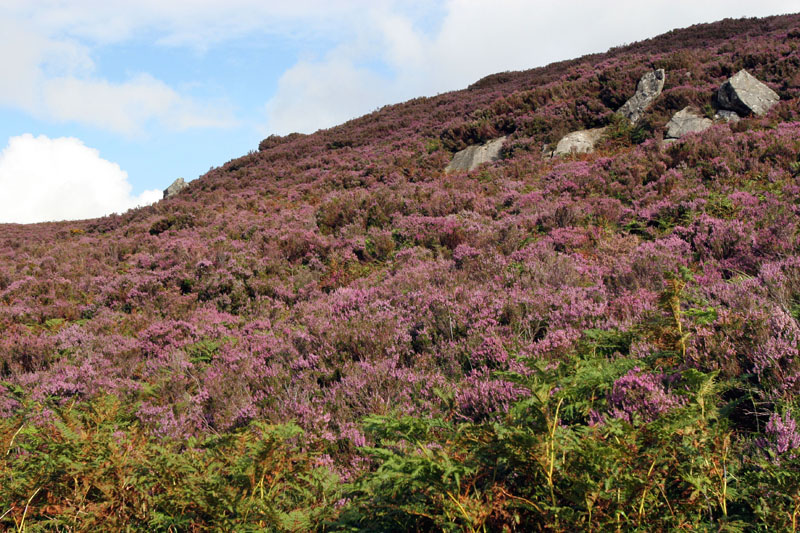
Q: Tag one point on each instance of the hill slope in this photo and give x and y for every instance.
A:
(642, 302)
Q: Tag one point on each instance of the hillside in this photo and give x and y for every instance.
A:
(332, 333)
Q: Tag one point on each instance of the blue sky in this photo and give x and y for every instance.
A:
(103, 104)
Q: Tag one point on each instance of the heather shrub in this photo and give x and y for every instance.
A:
(276, 140)
(726, 241)
(781, 435)
(642, 396)
(175, 222)
(782, 280)
(24, 351)
(481, 397)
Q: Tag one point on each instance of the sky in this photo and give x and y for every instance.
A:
(104, 103)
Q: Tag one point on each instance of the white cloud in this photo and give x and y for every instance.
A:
(196, 23)
(475, 38)
(54, 78)
(121, 107)
(43, 179)
(313, 95)
(126, 107)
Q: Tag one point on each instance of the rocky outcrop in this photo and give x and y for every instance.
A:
(472, 156)
(746, 95)
(647, 90)
(579, 142)
(724, 115)
(686, 121)
(177, 186)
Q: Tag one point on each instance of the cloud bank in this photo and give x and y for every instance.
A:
(45, 179)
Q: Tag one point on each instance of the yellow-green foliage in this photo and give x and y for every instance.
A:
(92, 468)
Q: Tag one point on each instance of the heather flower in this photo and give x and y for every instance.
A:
(482, 396)
(464, 252)
(777, 355)
(640, 395)
(781, 434)
(8, 404)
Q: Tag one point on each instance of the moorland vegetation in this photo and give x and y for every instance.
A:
(331, 333)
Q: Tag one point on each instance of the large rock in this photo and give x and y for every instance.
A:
(647, 90)
(177, 186)
(472, 156)
(746, 95)
(686, 121)
(579, 142)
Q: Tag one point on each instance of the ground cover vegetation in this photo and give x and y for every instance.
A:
(332, 334)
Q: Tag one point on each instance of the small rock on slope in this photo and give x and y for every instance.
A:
(579, 142)
(472, 156)
(177, 186)
(686, 121)
(647, 90)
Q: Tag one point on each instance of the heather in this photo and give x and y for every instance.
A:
(331, 333)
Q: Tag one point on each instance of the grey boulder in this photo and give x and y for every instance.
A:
(579, 142)
(177, 186)
(472, 156)
(724, 115)
(686, 121)
(746, 95)
(647, 90)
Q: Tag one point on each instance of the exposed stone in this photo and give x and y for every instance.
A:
(472, 156)
(686, 121)
(177, 186)
(647, 90)
(724, 115)
(579, 142)
(744, 94)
